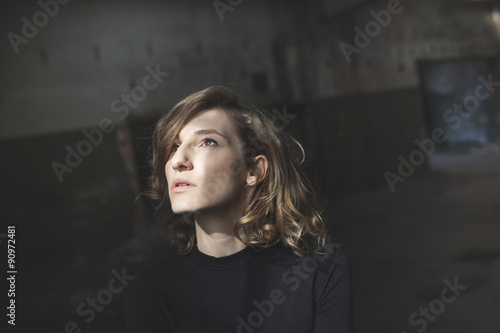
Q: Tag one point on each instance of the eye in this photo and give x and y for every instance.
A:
(207, 142)
(174, 148)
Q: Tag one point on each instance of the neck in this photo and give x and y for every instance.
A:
(214, 232)
(218, 245)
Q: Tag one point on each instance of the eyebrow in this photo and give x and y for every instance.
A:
(209, 131)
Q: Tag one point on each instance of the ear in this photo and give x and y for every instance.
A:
(258, 171)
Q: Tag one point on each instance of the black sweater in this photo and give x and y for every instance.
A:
(249, 291)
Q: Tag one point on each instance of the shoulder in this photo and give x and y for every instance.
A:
(332, 255)
(333, 275)
(329, 252)
(323, 259)
(333, 290)
(331, 262)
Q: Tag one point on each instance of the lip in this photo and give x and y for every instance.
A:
(177, 181)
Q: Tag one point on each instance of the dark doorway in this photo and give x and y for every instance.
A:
(454, 102)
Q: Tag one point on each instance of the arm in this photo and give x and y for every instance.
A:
(334, 302)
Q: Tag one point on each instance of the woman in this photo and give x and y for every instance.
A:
(253, 251)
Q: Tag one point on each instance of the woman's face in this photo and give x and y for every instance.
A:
(206, 167)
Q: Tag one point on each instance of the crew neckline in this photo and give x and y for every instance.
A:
(222, 263)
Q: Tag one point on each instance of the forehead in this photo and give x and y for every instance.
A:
(216, 119)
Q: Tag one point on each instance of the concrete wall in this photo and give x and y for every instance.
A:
(420, 30)
(369, 105)
(91, 52)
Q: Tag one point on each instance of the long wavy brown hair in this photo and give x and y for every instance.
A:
(281, 208)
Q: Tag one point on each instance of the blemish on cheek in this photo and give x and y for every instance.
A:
(236, 168)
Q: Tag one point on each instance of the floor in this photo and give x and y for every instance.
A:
(444, 225)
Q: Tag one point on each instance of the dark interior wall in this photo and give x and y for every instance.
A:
(91, 53)
(78, 213)
(357, 136)
(371, 91)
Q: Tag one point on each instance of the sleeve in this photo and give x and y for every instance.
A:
(142, 315)
(334, 302)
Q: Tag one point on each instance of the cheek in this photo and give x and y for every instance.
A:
(237, 168)
(166, 171)
(228, 165)
(233, 176)
(222, 176)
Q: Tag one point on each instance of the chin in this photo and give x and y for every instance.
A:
(188, 204)
(195, 204)
(181, 210)
(185, 207)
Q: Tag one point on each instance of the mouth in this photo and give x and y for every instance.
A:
(181, 185)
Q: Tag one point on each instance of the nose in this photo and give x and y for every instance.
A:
(181, 160)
